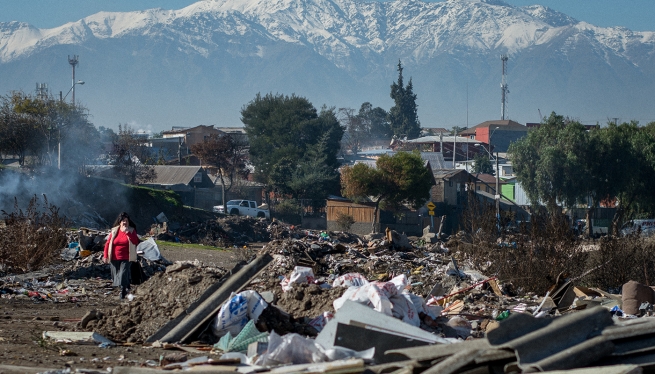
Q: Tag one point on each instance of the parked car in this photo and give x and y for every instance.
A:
(646, 227)
(244, 208)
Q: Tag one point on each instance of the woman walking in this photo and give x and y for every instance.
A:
(120, 251)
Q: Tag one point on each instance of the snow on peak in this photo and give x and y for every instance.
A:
(334, 28)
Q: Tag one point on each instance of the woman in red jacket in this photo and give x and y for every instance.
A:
(120, 250)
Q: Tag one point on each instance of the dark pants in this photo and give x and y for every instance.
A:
(121, 273)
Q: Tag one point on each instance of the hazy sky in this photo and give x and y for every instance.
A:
(637, 15)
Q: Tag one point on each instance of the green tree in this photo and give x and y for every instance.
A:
(403, 116)
(49, 129)
(362, 127)
(552, 163)
(18, 133)
(457, 129)
(281, 129)
(623, 169)
(375, 121)
(482, 164)
(399, 179)
(313, 179)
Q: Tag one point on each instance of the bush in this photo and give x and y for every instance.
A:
(534, 259)
(288, 207)
(345, 221)
(31, 239)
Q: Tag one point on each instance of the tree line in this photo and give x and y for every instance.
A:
(563, 163)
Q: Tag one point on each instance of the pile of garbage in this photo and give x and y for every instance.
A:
(323, 301)
(222, 232)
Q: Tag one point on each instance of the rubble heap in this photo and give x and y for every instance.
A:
(162, 298)
(222, 232)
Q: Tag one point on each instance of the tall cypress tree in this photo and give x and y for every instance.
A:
(403, 116)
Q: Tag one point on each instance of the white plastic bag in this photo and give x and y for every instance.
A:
(300, 274)
(319, 322)
(291, 349)
(149, 249)
(350, 280)
(235, 314)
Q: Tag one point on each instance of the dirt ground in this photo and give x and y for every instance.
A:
(23, 321)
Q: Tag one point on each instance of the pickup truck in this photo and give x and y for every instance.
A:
(244, 208)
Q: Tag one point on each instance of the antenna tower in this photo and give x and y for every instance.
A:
(73, 62)
(42, 91)
(503, 87)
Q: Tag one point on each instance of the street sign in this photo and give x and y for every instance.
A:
(431, 205)
(431, 212)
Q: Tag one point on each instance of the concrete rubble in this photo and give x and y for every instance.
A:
(331, 302)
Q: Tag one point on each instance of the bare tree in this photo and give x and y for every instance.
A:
(131, 157)
(228, 155)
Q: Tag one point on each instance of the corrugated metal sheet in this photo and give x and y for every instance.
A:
(520, 197)
(436, 160)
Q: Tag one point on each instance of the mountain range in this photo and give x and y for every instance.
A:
(155, 69)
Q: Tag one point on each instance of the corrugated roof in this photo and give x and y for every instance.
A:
(486, 178)
(436, 160)
(447, 173)
(170, 175)
(445, 139)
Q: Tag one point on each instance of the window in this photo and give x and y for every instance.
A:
(252, 204)
(198, 177)
(244, 203)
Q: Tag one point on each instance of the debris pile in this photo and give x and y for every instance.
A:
(222, 232)
(162, 298)
(334, 301)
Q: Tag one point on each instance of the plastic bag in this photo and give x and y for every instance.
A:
(149, 249)
(319, 322)
(291, 349)
(296, 349)
(374, 294)
(235, 314)
(350, 280)
(300, 274)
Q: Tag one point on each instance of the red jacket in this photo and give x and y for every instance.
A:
(121, 245)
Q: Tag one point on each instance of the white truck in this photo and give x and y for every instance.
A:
(244, 208)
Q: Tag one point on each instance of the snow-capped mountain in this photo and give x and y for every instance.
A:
(202, 63)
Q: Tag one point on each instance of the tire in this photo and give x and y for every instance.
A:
(261, 215)
(234, 211)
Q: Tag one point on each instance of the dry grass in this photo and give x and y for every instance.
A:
(533, 258)
(31, 239)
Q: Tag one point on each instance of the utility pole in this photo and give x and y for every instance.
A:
(497, 193)
(455, 152)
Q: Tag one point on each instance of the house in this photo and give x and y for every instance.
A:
(467, 148)
(190, 182)
(498, 134)
(175, 145)
(487, 183)
(242, 189)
